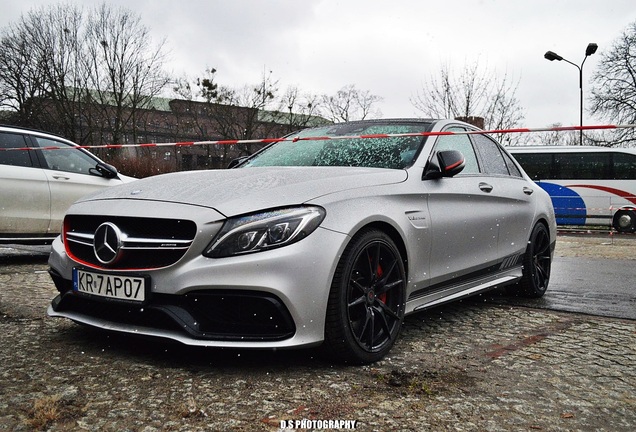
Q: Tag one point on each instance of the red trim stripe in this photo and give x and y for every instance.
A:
(621, 193)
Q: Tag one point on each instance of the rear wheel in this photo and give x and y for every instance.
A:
(366, 301)
(537, 263)
(625, 221)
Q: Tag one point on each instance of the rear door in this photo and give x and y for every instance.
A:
(511, 197)
(25, 201)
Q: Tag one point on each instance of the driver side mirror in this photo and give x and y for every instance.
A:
(449, 163)
(104, 170)
(236, 162)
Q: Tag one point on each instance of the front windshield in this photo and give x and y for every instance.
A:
(393, 152)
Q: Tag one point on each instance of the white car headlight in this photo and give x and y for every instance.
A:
(263, 231)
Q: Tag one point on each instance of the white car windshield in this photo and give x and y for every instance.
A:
(393, 152)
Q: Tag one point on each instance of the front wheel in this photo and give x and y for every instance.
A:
(366, 301)
(537, 263)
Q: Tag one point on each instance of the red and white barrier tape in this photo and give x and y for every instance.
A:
(322, 138)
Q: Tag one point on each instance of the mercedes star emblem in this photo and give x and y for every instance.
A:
(107, 243)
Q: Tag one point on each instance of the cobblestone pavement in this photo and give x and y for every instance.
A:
(472, 366)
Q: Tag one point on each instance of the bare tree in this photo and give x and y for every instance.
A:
(250, 112)
(21, 77)
(552, 138)
(614, 88)
(192, 111)
(125, 71)
(473, 92)
(40, 66)
(59, 41)
(237, 110)
(301, 110)
(349, 103)
(84, 76)
(194, 100)
(223, 112)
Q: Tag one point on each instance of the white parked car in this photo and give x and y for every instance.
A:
(37, 186)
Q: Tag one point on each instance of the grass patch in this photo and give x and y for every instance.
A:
(48, 410)
(45, 411)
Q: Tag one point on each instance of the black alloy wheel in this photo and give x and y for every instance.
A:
(537, 263)
(366, 302)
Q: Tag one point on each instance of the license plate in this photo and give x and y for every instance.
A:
(131, 288)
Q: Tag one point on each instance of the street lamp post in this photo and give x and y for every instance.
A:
(591, 49)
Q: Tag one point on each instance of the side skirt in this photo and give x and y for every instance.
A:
(463, 289)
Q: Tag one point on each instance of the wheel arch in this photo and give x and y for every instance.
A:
(631, 207)
(551, 230)
(543, 221)
(394, 234)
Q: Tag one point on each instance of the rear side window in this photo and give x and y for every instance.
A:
(20, 158)
(490, 156)
(512, 167)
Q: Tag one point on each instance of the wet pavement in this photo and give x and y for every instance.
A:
(595, 286)
(471, 366)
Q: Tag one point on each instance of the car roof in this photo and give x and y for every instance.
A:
(567, 149)
(394, 120)
(31, 131)
(429, 123)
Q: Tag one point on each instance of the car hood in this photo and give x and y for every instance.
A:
(244, 190)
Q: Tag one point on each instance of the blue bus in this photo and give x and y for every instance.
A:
(588, 185)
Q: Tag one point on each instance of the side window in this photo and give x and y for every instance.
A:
(461, 143)
(68, 159)
(21, 158)
(624, 166)
(537, 165)
(589, 166)
(492, 161)
(512, 167)
(596, 166)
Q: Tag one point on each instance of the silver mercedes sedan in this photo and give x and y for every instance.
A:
(326, 238)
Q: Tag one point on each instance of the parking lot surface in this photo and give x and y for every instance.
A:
(472, 366)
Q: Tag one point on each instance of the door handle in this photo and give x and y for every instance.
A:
(60, 177)
(528, 191)
(485, 187)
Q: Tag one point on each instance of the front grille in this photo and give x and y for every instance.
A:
(211, 315)
(145, 243)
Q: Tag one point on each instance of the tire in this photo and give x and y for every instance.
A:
(625, 221)
(366, 302)
(537, 263)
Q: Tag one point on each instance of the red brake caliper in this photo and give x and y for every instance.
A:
(381, 297)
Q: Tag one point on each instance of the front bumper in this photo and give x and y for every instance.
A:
(272, 299)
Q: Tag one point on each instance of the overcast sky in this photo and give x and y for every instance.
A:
(390, 48)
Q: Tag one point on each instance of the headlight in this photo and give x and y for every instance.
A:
(263, 231)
